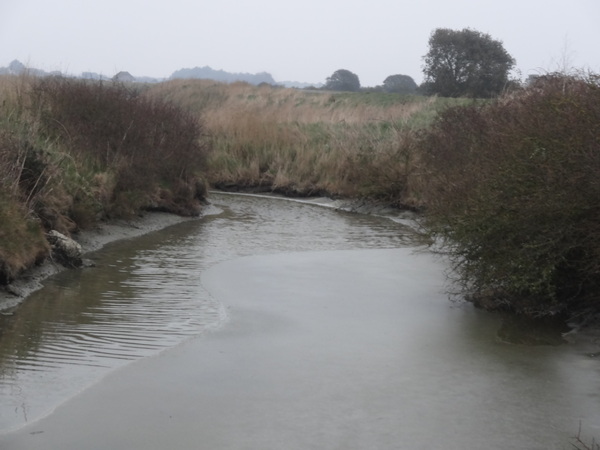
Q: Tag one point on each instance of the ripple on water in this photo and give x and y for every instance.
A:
(144, 295)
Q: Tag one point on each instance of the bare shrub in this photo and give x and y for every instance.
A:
(512, 189)
(148, 145)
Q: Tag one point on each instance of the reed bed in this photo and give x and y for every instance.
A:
(307, 142)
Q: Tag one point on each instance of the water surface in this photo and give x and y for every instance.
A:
(386, 359)
(145, 295)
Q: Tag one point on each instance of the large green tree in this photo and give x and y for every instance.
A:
(343, 80)
(466, 63)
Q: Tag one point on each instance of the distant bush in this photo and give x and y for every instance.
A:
(342, 80)
(512, 190)
(400, 84)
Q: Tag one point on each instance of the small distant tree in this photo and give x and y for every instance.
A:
(466, 63)
(343, 80)
(401, 84)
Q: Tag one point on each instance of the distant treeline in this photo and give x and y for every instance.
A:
(221, 75)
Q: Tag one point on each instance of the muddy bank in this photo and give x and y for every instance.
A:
(90, 240)
(103, 233)
(333, 349)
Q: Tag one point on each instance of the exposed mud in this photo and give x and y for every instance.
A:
(90, 240)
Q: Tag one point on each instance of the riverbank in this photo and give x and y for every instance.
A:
(105, 233)
(90, 240)
(98, 165)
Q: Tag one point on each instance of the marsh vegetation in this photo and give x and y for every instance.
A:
(507, 185)
(74, 152)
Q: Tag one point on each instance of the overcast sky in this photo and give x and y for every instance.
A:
(293, 40)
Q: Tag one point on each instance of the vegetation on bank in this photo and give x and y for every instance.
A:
(298, 142)
(512, 189)
(508, 186)
(75, 152)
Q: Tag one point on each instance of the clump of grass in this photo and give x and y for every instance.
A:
(22, 237)
(512, 190)
(22, 241)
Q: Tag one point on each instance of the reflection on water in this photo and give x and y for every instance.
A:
(545, 331)
(144, 295)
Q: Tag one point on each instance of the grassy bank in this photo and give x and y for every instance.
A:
(309, 142)
(73, 153)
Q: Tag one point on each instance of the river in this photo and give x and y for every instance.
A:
(338, 331)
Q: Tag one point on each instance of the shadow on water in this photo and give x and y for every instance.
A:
(527, 331)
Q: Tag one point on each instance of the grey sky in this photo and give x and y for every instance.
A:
(301, 41)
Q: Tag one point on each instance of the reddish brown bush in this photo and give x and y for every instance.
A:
(512, 188)
(147, 144)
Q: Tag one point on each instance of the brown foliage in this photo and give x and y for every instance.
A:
(513, 189)
(74, 152)
(147, 144)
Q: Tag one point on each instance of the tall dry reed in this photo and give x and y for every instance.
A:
(307, 142)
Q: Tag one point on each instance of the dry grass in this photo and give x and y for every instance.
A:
(22, 241)
(219, 101)
(306, 142)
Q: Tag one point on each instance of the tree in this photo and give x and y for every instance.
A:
(343, 80)
(401, 84)
(466, 63)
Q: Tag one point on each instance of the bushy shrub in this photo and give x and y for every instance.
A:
(512, 189)
(147, 147)
(73, 152)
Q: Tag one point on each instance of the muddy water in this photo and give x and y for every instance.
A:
(463, 380)
(145, 295)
